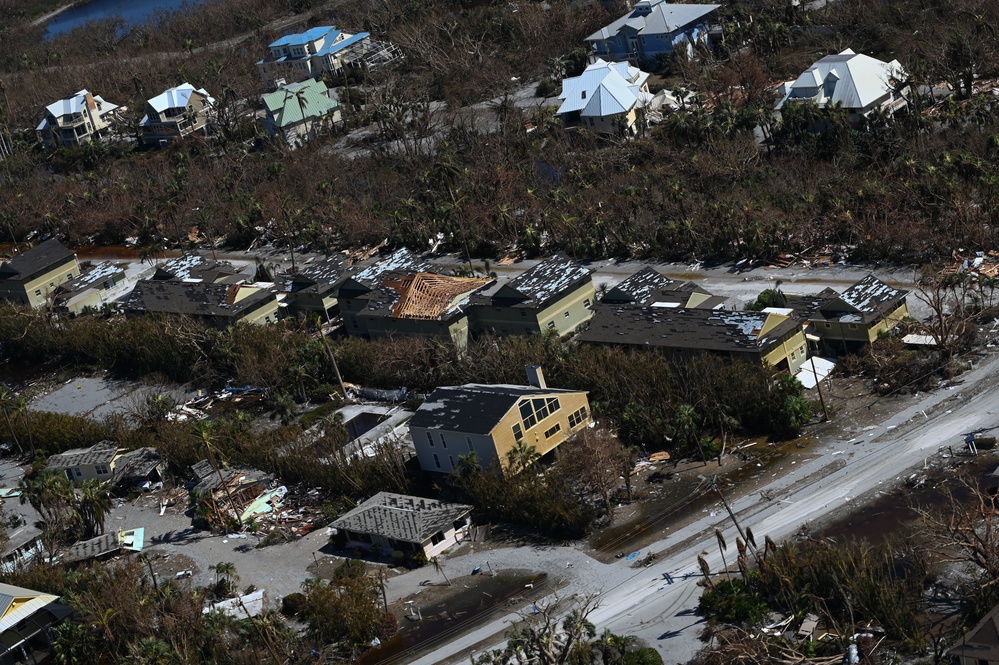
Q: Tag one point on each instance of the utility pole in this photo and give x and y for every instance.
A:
(818, 384)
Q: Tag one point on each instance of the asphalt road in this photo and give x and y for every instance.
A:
(642, 603)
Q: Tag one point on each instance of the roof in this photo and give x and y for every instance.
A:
(692, 329)
(194, 266)
(317, 277)
(109, 543)
(474, 408)
(346, 42)
(196, 298)
(648, 286)
(536, 287)
(400, 517)
(137, 463)
(867, 300)
(300, 38)
(401, 260)
(35, 261)
(94, 275)
(603, 89)
(99, 453)
(981, 643)
(76, 104)
(177, 97)
(857, 80)
(654, 18)
(18, 603)
(296, 102)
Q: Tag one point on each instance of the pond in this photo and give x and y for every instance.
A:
(132, 11)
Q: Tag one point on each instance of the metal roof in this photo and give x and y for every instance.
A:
(18, 603)
(400, 517)
(856, 80)
(603, 89)
(296, 102)
(654, 18)
(76, 104)
(177, 97)
(346, 42)
(302, 38)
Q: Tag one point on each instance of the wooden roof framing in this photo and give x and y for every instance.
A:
(428, 296)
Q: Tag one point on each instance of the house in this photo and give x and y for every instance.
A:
(196, 267)
(856, 82)
(26, 621)
(218, 305)
(32, 277)
(557, 294)
(650, 288)
(402, 295)
(653, 28)
(79, 119)
(757, 337)
(175, 113)
(82, 464)
(308, 54)
(298, 111)
(492, 420)
(313, 288)
(105, 546)
(607, 97)
(980, 645)
(91, 289)
(399, 523)
(142, 468)
(859, 315)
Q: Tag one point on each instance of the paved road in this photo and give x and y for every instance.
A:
(640, 602)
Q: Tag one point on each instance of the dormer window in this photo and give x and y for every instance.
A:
(583, 94)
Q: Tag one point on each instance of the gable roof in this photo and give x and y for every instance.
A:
(859, 80)
(866, 301)
(196, 298)
(981, 643)
(318, 277)
(400, 517)
(603, 89)
(99, 453)
(689, 329)
(293, 103)
(537, 286)
(35, 261)
(177, 97)
(76, 104)
(331, 47)
(93, 275)
(474, 408)
(648, 287)
(18, 603)
(193, 266)
(654, 17)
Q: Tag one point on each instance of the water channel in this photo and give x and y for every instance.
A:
(132, 11)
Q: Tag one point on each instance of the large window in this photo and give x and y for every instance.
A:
(430, 438)
(518, 432)
(552, 431)
(533, 411)
(577, 417)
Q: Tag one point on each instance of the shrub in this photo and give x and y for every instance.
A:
(293, 604)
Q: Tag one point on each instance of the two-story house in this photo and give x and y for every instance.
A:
(308, 54)
(32, 277)
(859, 315)
(176, 113)
(650, 288)
(556, 295)
(855, 82)
(79, 119)
(298, 111)
(492, 420)
(653, 28)
(92, 289)
(313, 288)
(219, 304)
(80, 464)
(607, 97)
(27, 622)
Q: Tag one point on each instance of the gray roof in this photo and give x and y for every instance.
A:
(536, 287)
(193, 266)
(99, 453)
(855, 80)
(93, 275)
(399, 261)
(981, 643)
(318, 277)
(137, 463)
(654, 18)
(648, 286)
(411, 519)
(688, 329)
(36, 261)
(473, 408)
(194, 299)
(868, 300)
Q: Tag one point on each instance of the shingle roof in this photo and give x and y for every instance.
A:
(293, 103)
(649, 286)
(137, 463)
(860, 80)
(94, 275)
(37, 260)
(99, 453)
(662, 18)
(537, 286)
(317, 277)
(693, 329)
(981, 643)
(195, 298)
(399, 517)
(473, 408)
(867, 300)
(193, 266)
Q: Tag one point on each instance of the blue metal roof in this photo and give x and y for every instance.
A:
(342, 44)
(300, 38)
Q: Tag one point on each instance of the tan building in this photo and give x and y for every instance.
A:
(556, 294)
(313, 288)
(607, 97)
(403, 295)
(219, 305)
(757, 337)
(650, 288)
(31, 278)
(76, 120)
(491, 420)
(175, 113)
(860, 314)
(83, 464)
(389, 522)
(95, 287)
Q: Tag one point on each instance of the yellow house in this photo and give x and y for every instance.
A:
(32, 278)
(92, 289)
(219, 305)
(556, 295)
(82, 464)
(491, 420)
(26, 621)
(860, 314)
(758, 337)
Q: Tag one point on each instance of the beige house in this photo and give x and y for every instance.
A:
(403, 295)
(607, 98)
(219, 305)
(555, 295)
(79, 119)
(492, 420)
(31, 278)
(83, 464)
(176, 113)
(389, 522)
(92, 289)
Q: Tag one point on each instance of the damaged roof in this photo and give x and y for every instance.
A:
(36, 261)
(317, 277)
(474, 408)
(648, 286)
(196, 298)
(693, 329)
(99, 453)
(94, 275)
(868, 300)
(538, 286)
(137, 463)
(410, 519)
(194, 266)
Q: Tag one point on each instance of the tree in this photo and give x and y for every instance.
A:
(225, 577)
(93, 506)
(954, 300)
(440, 569)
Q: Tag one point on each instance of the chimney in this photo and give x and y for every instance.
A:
(91, 104)
(535, 376)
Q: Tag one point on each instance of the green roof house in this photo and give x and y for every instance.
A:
(297, 111)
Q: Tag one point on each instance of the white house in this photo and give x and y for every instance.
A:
(651, 29)
(310, 53)
(856, 82)
(78, 119)
(175, 113)
(607, 97)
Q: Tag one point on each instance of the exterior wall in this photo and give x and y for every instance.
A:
(171, 129)
(635, 48)
(78, 474)
(94, 297)
(456, 330)
(313, 302)
(505, 440)
(793, 349)
(834, 333)
(611, 124)
(451, 537)
(574, 304)
(266, 313)
(525, 321)
(441, 456)
(37, 291)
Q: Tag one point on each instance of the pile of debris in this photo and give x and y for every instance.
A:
(982, 264)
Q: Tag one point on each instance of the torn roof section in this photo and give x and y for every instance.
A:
(410, 519)
(538, 286)
(194, 266)
(868, 300)
(99, 453)
(650, 287)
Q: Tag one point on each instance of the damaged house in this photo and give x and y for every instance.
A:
(218, 305)
(313, 288)
(234, 495)
(650, 288)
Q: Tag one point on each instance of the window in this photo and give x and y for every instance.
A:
(102, 470)
(552, 431)
(853, 326)
(430, 438)
(451, 459)
(551, 324)
(443, 442)
(437, 461)
(583, 94)
(518, 433)
(577, 417)
(566, 315)
(793, 356)
(78, 472)
(51, 285)
(523, 312)
(586, 303)
(38, 292)
(437, 538)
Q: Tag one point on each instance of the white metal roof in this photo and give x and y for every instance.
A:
(857, 80)
(654, 18)
(177, 97)
(603, 89)
(28, 602)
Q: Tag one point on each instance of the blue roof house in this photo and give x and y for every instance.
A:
(308, 54)
(607, 97)
(651, 29)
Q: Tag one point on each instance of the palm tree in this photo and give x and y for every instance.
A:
(225, 575)
(440, 569)
(204, 431)
(93, 506)
(522, 456)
